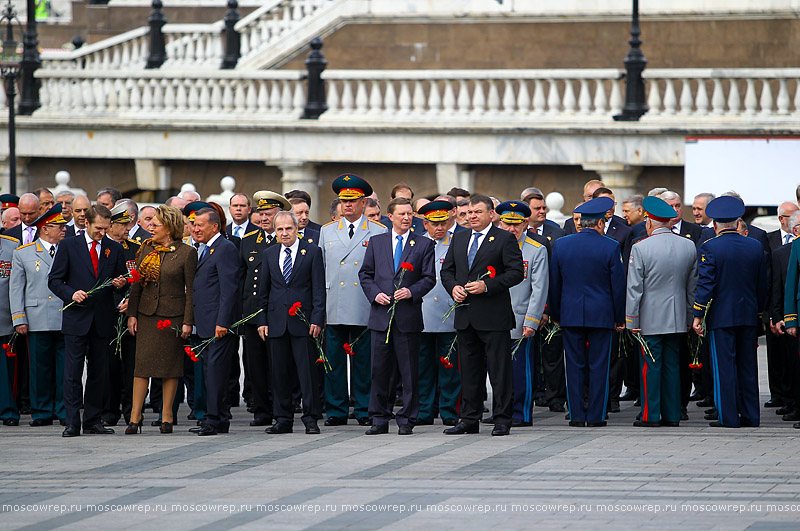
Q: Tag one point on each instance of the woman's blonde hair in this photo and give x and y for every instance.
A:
(172, 218)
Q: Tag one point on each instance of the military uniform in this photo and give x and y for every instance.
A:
(9, 412)
(346, 305)
(732, 289)
(662, 276)
(33, 304)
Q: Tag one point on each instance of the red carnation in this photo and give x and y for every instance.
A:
(6, 347)
(10, 353)
(699, 365)
(320, 360)
(167, 323)
(492, 271)
(406, 266)
(188, 351)
(348, 349)
(293, 311)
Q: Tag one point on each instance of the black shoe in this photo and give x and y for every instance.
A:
(156, 423)
(450, 421)
(405, 429)
(191, 416)
(166, 427)
(424, 422)
(710, 411)
(197, 428)
(364, 421)
(223, 428)
(637, 402)
(335, 421)
(694, 397)
(577, 424)
(711, 416)
(312, 428)
(796, 425)
(613, 406)
(500, 429)
(41, 422)
(718, 425)
(461, 428)
(251, 409)
(557, 408)
(794, 416)
(25, 409)
(97, 429)
(206, 430)
(684, 414)
(669, 424)
(566, 417)
(71, 431)
(485, 409)
(63, 422)
(517, 423)
(784, 410)
(488, 420)
(639, 416)
(377, 429)
(352, 415)
(596, 424)
(706, 402)
(109, 422)
(628, 396)
(279, 428)
(773, 402)
(10, 422)
(263, 421)
(133, 428)
(645, 424)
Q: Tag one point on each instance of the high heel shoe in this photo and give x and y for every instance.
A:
(134, 428)
(166, 427)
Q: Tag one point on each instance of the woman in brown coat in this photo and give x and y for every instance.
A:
(167, 267)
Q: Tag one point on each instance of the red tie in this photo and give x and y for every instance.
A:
(95, 261)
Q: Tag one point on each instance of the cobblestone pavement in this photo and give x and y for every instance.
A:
(550, 476)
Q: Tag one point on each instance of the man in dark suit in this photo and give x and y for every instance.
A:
(484, 322)
(787, 346)
(589, 308)
(240, 214)
(303, 197)
(304, 229)
(292, 273)
(78, 266)
(215, 288)
(385, 276)
(25, 232)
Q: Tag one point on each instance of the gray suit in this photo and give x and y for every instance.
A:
(662, 276)
(528, 298)
(8, 365)
(7, 246)
(437, 301)
(32, 302)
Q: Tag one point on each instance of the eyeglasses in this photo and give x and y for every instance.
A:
(154, 225)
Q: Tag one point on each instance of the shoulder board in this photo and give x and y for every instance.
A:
(251, 233)
(330, 223)
(21, 246)
(133, 242)
(377, 223)
(10, 238)
(532, 242)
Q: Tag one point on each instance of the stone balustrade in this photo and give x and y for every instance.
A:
(591, 97)
(124, 51)
(274, 21)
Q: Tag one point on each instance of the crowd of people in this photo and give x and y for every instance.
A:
(394, 315)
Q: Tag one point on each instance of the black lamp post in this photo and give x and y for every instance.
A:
(10, 64)
(29, 101)
(635, 105)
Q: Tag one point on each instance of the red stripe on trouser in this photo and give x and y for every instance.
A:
(644, 384)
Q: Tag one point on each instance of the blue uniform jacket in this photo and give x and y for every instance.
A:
(586, 277)
(733, 272)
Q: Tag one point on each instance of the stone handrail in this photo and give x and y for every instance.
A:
(126, 50)
(196, 45)
(693, 98)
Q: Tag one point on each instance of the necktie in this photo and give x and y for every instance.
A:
(287, 265)
(787, 239)
(398, 252)
(52, 251)
(204, 252)
(28, 234)
(237, 232)
(352, 229)
(473, 249)
(95, 260)
(270, 239)
(196, 245)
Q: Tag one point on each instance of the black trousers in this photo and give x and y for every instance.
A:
(684, 359)
(616, 368)
(402, 352)
(90, 350)
(217, 365)
(258, 371)
(294, 359)
(476, 350)
(119, 389)
(550, 357)
(235, 373)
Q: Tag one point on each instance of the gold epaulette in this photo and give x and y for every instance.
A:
(10, 238)
(377, 223)
(21, 246)
(134, 242)
(251, 233)
(532, 242)
(330, 222)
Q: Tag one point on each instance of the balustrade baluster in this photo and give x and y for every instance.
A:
(523, 98)
(348, 101)
(419, 97)
(53, 94)
(251, 96)
(136, 95)
(670, 99)
(244, 42)
(112, 95)
(216, 94)
(390, 99)
(375, 98)
(686, 101)
(239, 96)
(147, 96)
(615, 100)
(123, 96)
(493, 101)
(227, 95)
(539, 100)
(449, 99)
(286, 97)
(569, 102)
(65, 89)
(478, 97)
(734, 100)
(205, 95)
(718, 99)
(584, 98)
(653, 97)
(333, 96)
(553, 98)
(405, 97)
(701, 101)
(750, 101)
(263, 96)
(194, 94)
(434, 98)
(361, 97)
(126, 55)
(99, 90)
(168, 89)
(766, 98)
(181, 96)
(463, 97)
(797, 97)
(783, 97)
(299, 97)
(158, 94)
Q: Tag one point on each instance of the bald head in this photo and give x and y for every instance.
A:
(189, 196)
(28, 208)
(79, 207)
(176, 202)
(10, 217)
(785, 211)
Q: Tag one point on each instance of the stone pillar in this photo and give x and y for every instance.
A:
(152, 174)
(454, 175)
(620, 178)
(302, 176)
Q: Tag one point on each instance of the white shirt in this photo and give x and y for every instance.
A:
(394, 242)
(608, 224)
(784, 235)
(677, 227)
(46, 245)
(210, 242)
(89, 242)
(133, 230)
(241, 228)
(482, 239)
(71, 223)
(292, 250)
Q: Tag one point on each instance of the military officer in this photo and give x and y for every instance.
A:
(36, 314)
(528, 300)
(9, 412)
(344, 243)
(254, 243)
(731, 295)
(438, 335)
(587, 297)
(662, 276)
